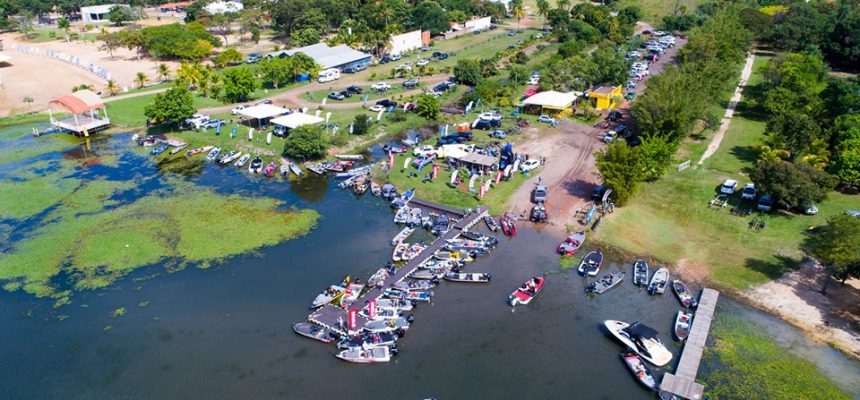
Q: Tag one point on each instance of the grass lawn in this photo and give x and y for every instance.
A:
(45, 35)
(128, 113)
(373, 96)
(670, 220)
(655, 10)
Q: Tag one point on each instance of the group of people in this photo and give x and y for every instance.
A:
(530, 287)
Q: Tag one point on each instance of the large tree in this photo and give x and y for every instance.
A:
(172, 106)
(427, 106)
(227, 57)
(790, 184)
(239, 83)
(306, 142)
(430, 16)
(837, 246)
(621, 169)
(468, 72)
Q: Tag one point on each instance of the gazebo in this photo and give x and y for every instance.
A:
(479, 161)
(262, 112)
(88, 113)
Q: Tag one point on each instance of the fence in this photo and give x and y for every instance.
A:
(67, 58)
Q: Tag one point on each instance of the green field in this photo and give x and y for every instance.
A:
(373, 96)
(655, 10)
(42, 35)
(128, 113)
(670, 219)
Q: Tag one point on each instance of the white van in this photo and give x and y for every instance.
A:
(329, 75)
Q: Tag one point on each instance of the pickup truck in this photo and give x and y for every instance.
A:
(197, 121)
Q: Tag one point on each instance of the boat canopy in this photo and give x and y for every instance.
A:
(638, 330)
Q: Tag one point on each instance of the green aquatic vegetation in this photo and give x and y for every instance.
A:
(567, 262)
(96, 248)
(24, 199)
(118, 312)
(746, 364)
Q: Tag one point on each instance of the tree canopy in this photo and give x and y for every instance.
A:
(837, 246)
(306, 142)
(173, 106)
(239, 83)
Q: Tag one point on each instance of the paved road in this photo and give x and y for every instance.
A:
(730, 110)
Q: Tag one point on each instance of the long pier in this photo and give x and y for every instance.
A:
(334, 318)
(683, 382)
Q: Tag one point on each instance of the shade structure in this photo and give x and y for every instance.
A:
(78, 102)
(296, 120)
(263, 111)
(552, 99)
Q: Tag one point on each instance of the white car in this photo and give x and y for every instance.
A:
(376, 108)
(424, 151)
(729, 186)
(422, 62)
(546, 119)
(433, 93)
(748, 192)
(236, 109)
(534, 80)
(381, 86)
(529, 165)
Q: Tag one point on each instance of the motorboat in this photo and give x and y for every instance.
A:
(350, 295)
(331, 294)
(375, 189)
(571, 244)
(378, 278)
(480, 237)
(641, 339)
(270, 169)
(403, 199)
(591, 263)
(402, 235)
(414, 218)
(393, 293)
(640, 273)
(659, 281)
(256, 165)
(380, 314)
(605, 283)
(366, 356)
(491, 222)
(402, 215)
(639, 369)
(194, 152)
(683, 323)
(284, 169)
(470, 277)
(388, 325)
(349, 157)
(296, 169)
(414, 286)
(388, 192)
(527, 291)
(441, 225)
(368, 340)
(231, 156)
(160, 149)
(394, 304)
(213, 154)
(538, 213)
(178, 147)
(428, 273)
(315, 332)
(243, 160)
(509, 227)
(684, 294)
(413, 251)
(399, 251)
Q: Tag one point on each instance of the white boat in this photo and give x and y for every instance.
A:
(380, 313)
(349, 157)
(413, 251)
(296, 169)
(428, 273)
(471, 277)
(243, 160)
(402, 235)
(394, 304)
(683, 323)
(378, 278)
(639, 370)
(178, 147)
(642, 339)
(284, 169)
(414, 286)
(366, 356)
(399, 250)
(685, 295)
(387, 325)
(659, 281)
(401, 215)
(330, 294)
(213, 153)
(353, 290)
(230, 157)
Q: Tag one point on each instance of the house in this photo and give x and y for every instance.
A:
(478, 24)
(551, 102)
(221, 7)
(88, 113)
(604, 97)
(99, 13)
(340, 57)
(174, 7)
(408, 41)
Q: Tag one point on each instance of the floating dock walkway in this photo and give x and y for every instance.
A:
(683, 382)
(335, 318)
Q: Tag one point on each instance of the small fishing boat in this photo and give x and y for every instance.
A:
(284, 169)
(642, 339)
(379, 314)
(684, 294)
(659, 281)
(369, 340)
(375, 188)
(441, 225)
(347, 183)
(414, 218)
(394, 148)
(230, 157)
(509, 227)
(538, 213)
(640, 272)
(316, 168)
(428, 273)
(605, 283)
(160, 149)
(389, 192)
(365, 356)
(256, 165)
(315, 332)
(296, 169)
(331, 293)
(402, 215)
(591, 264)
(378, 278)
(490, 241)
(349, 157)
(402, 235)
(403, 199)
(571, 244)
(491, 222)
(471, 277)
(639, 369)
(194, 152)
(360, 185)
(683, 322)
(527, 291)
(178, 147)
(353, 290)
(425, 297)
(399, 250)
(270, 169)
(388, 325)
(394, 304)
(213, 154)
(413, 251)
(243, 160)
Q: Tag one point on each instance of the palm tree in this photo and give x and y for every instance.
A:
(189, 74)
(768, 154)
(63, 23)
(563, 4)
(111, 87)
(141, 79)
(163, 72)
(519, 12)
(817, 156)
(543, 10)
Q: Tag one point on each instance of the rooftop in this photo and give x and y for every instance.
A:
(326, 56)
(296, 120)
(263, 111)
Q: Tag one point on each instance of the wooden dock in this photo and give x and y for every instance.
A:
(335, 318)
(683, 382)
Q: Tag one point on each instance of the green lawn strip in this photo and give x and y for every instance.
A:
(21, 119)
(747, 364)
(148, 88)
(44, 35)
(373, 96)
(128, 113)
(655, 10)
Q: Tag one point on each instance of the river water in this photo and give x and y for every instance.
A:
(224, 332)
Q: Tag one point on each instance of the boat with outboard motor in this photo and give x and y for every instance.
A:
(538, 213)
(331, 293)
(315, 332)
(640, 371)
(213, 154)
(527, 291)
(256, 165)
(403, 199)
(659, 281)
(243, 160)
(469, 277)
(389, 325)
(350, 295)
(571, 244)
(591, 263)
(685, 295)
(365, 356)
(640, 272)
(605, 283)
(641, 339)
(491, 222)
(683, 323)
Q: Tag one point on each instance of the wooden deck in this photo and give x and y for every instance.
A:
(335, 318)
(683, 382)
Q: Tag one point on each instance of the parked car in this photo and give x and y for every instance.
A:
(395, 57)
(614, 115)
(729, 186)
(442, 56)
(213, 123)
(529, 165)
(420, 159)
(449, 139)
(376, 108)
(387, 103)
(534, 80)
(547, 119)
(485, 124)
(261, 102)
(410, 84)
(467, 135)
(808, 208)
(427, 48)
(630, 95)
(336, 96)
(765, 203)
(346, 93)
(748, 192)
(597, 194)
(424, 150)
(610, 137)
(490, 115)
(354, 89)
(631, 84)
(512, 33)
(197, 121)
(442, 87)
(422, 62)
(253, 58)
(498, 134)
(853, 213)
(381, 86)
(238, 108)
(385, 60)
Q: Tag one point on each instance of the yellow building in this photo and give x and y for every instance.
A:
(603, 97)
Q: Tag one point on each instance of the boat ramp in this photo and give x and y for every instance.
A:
(683, 382)
(335, 318)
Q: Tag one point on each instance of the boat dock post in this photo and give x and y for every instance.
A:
(683, 382)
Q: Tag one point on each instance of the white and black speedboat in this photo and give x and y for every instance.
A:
(640, 273)
(642, 339)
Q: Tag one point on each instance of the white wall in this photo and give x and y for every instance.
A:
(478, 24)
(405, 41)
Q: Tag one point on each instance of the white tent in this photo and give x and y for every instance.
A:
(263, 111)
(296, 120)
(552, 99)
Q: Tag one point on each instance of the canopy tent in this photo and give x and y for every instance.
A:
(263, 111)
(479, 160)
(78, 102)
(85, 106)
(296, 120)
(555, 101)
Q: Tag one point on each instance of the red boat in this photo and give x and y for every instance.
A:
(508, 225)
(270, 169)
(571, 244)
(525, 293)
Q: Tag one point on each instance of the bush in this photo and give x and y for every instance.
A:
(306, 142)
(361, 124)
